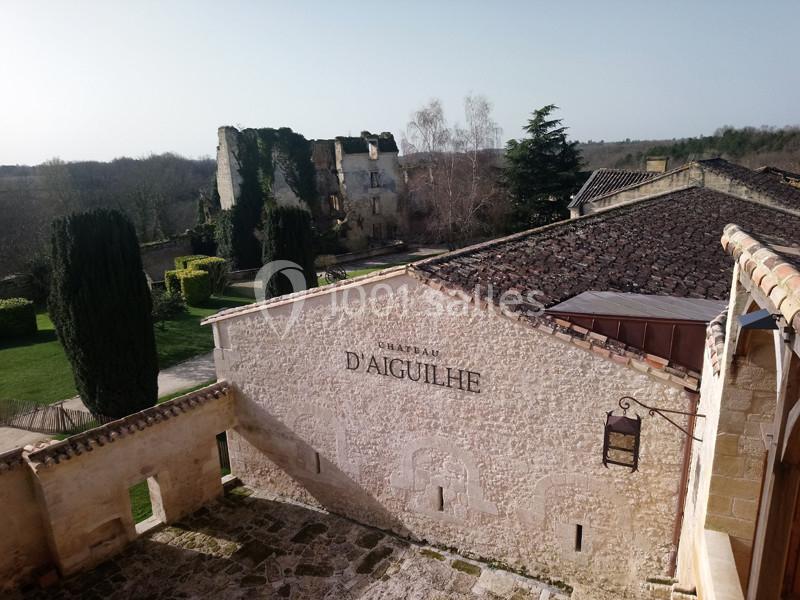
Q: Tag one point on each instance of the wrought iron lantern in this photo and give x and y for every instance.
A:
(621, 440)
(623, 434)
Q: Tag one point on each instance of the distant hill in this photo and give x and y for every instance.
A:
(748, 146)
(159, 194)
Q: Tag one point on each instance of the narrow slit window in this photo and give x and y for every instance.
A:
(317, 465)
(440, 498)
(578, 538)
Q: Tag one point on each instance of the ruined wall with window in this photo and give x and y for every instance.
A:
(373, 189)
(358, 185)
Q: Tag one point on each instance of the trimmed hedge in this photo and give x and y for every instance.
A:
(182, 262)
(217, 269)
(17, 318)
(195, 286)
(171, 282)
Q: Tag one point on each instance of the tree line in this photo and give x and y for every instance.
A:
(158, 194)
(462, 186)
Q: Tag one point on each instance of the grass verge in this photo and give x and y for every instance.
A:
(36, 369)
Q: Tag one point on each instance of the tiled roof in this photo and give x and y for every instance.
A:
(53, 453)
(773, 267)
(761, 180)
(715, 340)
(605, 181)
(590, 341)
(664, 245)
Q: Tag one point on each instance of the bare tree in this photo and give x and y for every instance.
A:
(58, 185)
(453, 171)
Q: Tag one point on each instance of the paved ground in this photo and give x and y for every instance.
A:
(397, 258)
(11, 438)
(173, 379)
(253, 546)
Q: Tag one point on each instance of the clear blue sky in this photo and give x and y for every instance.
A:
(97, 80)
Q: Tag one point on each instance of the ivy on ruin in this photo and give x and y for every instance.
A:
(260, 151)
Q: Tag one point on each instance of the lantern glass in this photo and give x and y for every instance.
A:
(621, 441)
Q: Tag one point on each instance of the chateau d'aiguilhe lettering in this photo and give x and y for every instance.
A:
(413, 370)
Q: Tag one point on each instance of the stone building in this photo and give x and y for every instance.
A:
(606, 188)
(741, 532)
(462, 401)
(428, 410)
(360, 191)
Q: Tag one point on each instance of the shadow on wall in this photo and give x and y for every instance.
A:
(311, 476)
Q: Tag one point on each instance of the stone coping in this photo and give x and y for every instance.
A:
(776, 276)
(11, 459)
(608, 348)
(54, 452)
(715, 340)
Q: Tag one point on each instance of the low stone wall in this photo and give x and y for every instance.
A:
(23, 544)
(158, 257)
(67, 504)
(349, 257)
(16, 286)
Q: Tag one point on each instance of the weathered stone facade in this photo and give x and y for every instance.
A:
(507, 473)
(359, 184)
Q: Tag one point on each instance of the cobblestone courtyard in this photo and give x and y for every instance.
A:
(248, 545)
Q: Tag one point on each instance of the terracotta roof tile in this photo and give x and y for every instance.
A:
(605, 181)
(715, 340)
(57, 451)
(774, 264)
(663, 246)
(762, 180)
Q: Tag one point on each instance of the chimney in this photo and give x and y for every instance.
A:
(656, 164)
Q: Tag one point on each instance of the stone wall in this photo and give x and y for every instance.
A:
(16, 286)
(507, 472)
(158, 257)
(361, 197)
(23, 545)
(690, 175)
(727, 466)
(674, 180)
(67, 504)
(228, 178)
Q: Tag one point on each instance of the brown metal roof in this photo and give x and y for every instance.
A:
(645, 306)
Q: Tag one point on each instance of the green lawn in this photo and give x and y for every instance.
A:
(36, 368)
(140, 502)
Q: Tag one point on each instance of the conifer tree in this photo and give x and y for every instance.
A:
(101, 307)
(541, 172)
(288, 236)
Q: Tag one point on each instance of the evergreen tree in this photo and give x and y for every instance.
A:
(288, 236)
(101, 307)
(541, 172)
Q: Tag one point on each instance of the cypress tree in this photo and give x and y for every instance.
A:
(288, 236)
(101, 307)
